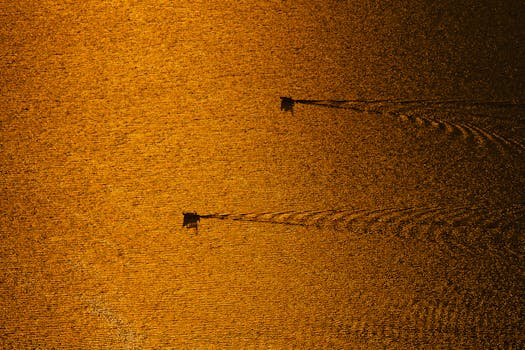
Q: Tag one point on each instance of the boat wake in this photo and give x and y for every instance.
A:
(475, 229)
(422, 113)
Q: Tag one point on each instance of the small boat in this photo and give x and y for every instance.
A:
(287, 104)
(191, 219)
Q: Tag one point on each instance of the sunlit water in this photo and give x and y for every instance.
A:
(345, 224)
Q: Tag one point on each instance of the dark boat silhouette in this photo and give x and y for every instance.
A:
(287, 104)
(190, 220)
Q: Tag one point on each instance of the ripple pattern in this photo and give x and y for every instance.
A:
(407, 111)
(442, 225)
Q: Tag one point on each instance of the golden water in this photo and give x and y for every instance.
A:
(387, 226)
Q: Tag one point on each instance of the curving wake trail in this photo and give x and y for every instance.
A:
(458, 313)
(468, 228)
(406, 110)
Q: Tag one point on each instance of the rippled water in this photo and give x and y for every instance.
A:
(385, 211)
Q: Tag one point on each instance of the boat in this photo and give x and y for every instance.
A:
(190, 220)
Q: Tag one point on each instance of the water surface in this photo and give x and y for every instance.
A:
(386, 225)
